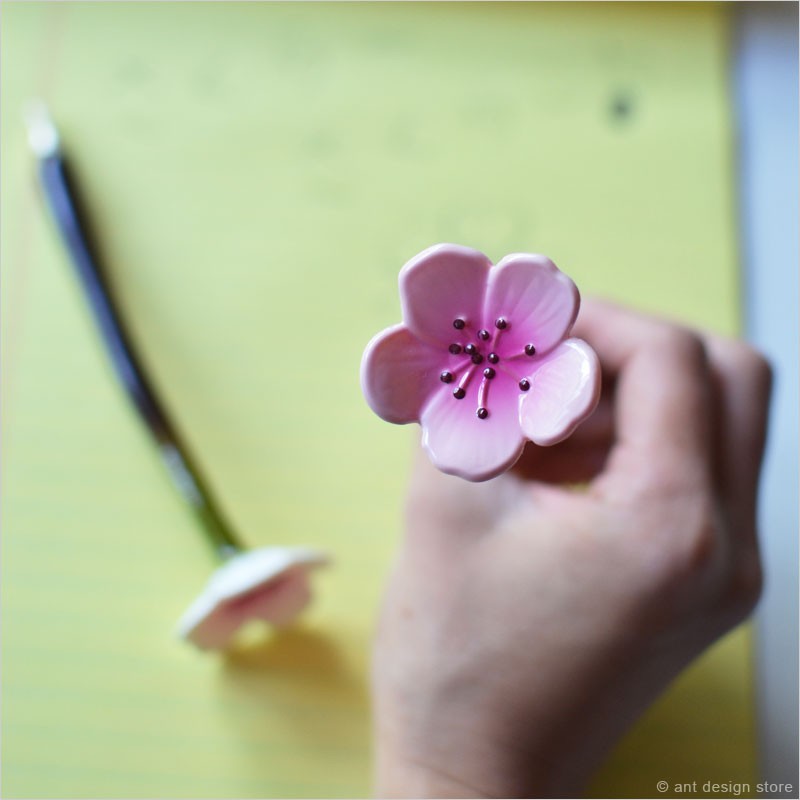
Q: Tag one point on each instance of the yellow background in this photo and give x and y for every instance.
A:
(258, 174)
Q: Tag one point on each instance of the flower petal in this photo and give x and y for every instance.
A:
(258, 583)
(207, 626)
(399, 373)
(443, 283)
(287, 600)
(459, 443)
(565, 388)
(540, 302)
(245, 571)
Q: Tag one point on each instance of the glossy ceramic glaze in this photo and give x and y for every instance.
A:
(269, 584)
(483, 359)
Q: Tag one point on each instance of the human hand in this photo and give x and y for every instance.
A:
(528, 623)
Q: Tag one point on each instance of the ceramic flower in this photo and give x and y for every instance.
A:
(482, 360)
(270, 584)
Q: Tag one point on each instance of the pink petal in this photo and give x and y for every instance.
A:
(269, 583)
(459, 443)
(278, 602)
(539, 301)
(286, 601)
(443, 283)
(565, 388)
(214, 630)
(399, 373)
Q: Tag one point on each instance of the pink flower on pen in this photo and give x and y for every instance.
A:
(482, 360)
(269, 584)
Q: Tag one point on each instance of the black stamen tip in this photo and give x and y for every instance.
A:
(483, 334)
(524, 384)
(459, 394)
(470, 349)
(489, 373)
(493, 358)
(446, 377)
(483, 413)
(455, 349)
(501, 323)
(530, 350)
(477, 358)
(459, 324)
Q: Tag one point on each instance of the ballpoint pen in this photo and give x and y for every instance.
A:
(268, 582)
(61, 196)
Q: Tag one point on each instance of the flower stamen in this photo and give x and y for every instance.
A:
(522, 381)
(483, 396)
(500, 325)
(459, 324)
(461, 390)
(458, 367)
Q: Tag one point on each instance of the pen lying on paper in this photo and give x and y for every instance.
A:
(59, 191)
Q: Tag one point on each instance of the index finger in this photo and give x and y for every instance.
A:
(663, 395)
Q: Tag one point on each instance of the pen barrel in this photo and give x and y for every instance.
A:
(64, 207)
(185, 475)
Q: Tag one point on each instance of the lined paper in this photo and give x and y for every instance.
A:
(258, 174)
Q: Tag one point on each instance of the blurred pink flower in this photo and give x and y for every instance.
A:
(482, 360)
(270, 584)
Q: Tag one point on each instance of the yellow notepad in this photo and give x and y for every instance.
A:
(258, 174)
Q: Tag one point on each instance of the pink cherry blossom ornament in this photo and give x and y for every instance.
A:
(269, 584)
(482, 360)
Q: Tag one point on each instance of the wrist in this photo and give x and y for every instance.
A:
(401, 776)
(456, 761)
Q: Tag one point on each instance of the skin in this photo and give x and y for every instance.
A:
(528, 621)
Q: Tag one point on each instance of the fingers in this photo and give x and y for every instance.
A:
(678, 409)
(743, 381)
(565, 463)
(444, 512)
(579, 458)
(732, 380)
(662, 420)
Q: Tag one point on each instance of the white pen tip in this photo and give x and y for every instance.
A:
(42, 133)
